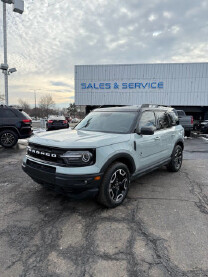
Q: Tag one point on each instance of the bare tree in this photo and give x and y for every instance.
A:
(2, 98)
(24, 105)
(72, 109)
(46, 103)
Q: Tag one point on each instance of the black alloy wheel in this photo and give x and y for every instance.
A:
(115, 185)
(8, 138)
(118, 185)
(176, 160)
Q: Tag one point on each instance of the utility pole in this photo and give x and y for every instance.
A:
(5, 53)
(18, 7)
(35, 98)
(35, 106)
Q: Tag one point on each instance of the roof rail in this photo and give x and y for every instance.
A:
(153, 106)
(149, 106)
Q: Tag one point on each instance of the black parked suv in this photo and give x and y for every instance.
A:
(14, 124)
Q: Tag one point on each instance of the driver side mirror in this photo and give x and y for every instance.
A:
(146, 131)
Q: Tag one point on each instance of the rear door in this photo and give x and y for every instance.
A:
(7, 117)
(166, 132)
(148, 147)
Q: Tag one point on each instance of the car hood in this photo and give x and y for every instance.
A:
(77, 139)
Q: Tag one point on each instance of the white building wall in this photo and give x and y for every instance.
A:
(183, 84)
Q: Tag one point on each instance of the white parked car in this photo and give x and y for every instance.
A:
(75, 120)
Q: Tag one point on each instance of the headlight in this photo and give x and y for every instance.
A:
(79, 158)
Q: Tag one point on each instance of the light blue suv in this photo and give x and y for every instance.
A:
(107, 149)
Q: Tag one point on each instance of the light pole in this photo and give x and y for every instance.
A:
(35, 90)
(18, 6)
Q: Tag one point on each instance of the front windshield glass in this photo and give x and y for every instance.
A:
(109, 122)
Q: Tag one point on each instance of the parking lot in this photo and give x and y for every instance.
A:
(160, 230)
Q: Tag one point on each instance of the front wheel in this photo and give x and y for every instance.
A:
(176, 159)
(114, 186)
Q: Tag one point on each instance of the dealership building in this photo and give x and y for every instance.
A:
(180, 85)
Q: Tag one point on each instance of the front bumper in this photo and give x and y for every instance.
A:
(74, 186)
(25, 133)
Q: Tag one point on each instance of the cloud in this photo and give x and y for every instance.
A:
(59, 84)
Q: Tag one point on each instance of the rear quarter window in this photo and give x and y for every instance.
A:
(22, 114)
(174, 117)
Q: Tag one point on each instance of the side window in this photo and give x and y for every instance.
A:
(174, 117)
(5, 113)
(147, 119)
(163, 121)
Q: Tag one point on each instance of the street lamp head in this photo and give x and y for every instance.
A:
(12, 70)
(18, 6)
(7, 1)
(4, 66)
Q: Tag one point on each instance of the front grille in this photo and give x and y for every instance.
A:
(45, 153)
(53, 155)
(43, 167)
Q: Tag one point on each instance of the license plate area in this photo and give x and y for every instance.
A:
(42, 167)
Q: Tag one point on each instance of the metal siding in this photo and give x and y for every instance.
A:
(184, 84)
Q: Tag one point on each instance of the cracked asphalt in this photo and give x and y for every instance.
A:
(160, 230)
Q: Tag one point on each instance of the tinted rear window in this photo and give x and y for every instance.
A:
(6, 113)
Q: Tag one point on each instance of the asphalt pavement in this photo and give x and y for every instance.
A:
(160, 230)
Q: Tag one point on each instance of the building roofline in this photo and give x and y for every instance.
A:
(132, 64)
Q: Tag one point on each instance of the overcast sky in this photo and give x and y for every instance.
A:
(51, 36)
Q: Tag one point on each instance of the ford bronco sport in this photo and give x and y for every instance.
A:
(106, 150)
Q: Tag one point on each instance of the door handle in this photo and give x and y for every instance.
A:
(173, 135)
(157, 138)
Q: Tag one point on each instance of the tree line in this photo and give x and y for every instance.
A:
(46, 106)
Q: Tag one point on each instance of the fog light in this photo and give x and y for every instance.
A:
(97, 178)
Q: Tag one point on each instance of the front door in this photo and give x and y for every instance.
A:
(148, 147)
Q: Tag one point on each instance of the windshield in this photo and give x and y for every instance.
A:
(181, 113)
(109, 122)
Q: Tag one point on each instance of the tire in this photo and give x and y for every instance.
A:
(114, 186)
(188, 133)
(8, 138)
(176, 159)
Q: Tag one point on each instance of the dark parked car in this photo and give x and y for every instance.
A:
(56, 122)
(204, 127)
(186, 121)
(14, 124)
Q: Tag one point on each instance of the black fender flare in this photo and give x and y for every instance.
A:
(180, 142)
(2, 128)
(120, 157)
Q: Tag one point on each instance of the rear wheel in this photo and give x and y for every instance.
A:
(114, 186)
(176, 160)
(8, 138)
